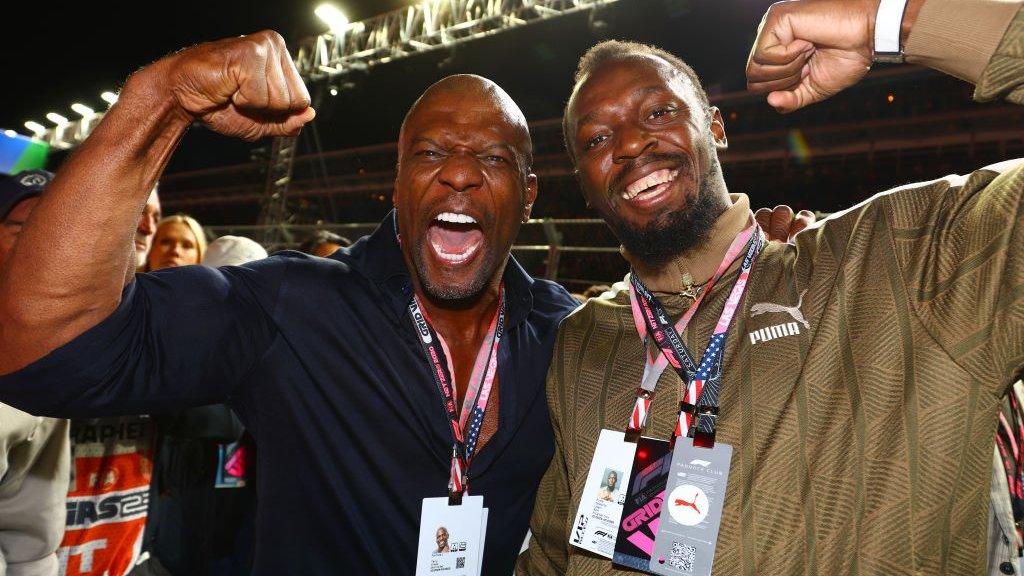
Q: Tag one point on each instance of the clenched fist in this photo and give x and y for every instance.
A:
(781, 224)
(246, 87)
(808, 50)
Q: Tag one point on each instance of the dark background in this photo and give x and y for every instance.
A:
(84, 49)
(902, 124)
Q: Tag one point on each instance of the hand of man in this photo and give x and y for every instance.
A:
(809, 50)
(245, 87)
(780, 224)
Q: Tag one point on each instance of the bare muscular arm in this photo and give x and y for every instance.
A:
(67, 269)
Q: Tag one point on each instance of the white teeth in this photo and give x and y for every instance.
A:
(652, 179)
(454, 258)
(455, 218)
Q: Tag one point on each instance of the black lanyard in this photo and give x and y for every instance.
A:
(698, 411)
(485, 369)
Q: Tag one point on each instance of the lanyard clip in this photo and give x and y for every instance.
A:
(454, 498)
(641, 408)
(705, 420)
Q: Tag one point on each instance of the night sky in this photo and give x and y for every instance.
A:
(78, 51)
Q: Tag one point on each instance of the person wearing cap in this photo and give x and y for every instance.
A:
(233, 251)
(33, 450)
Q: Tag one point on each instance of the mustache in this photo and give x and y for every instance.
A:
(618, 182)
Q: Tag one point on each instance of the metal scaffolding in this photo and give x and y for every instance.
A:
(274, 211)
(429, 25)
(426, 26)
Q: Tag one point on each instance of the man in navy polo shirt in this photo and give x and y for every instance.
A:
(320, 357)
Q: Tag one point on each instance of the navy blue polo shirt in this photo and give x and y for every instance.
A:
(319, 358)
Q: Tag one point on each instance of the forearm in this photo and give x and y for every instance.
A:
(67, 269)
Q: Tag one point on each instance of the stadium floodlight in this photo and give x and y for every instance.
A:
(83, 110)
(109, 97)
(36, 128)
(57, 119)
(334, 18)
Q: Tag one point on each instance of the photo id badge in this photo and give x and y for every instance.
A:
(597, 519)
(451, 537)
(692, 512)
(642, 506)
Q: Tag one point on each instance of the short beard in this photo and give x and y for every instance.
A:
(677, 232)
(454, 295)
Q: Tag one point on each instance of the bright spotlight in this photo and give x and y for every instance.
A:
(57, 119)
(109, 97)
(35, 127)
(10, 133)
(83, 110)
(335, 20)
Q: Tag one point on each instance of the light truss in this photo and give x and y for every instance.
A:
(68, 135)
(428, 25)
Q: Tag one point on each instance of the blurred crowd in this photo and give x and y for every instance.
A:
(145, 494)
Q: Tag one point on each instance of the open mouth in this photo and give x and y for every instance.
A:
(455, 238)
(651, 186)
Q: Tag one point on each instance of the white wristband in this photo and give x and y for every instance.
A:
(887, 30)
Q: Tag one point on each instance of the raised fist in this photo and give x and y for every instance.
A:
(808, 50)
(245, 87)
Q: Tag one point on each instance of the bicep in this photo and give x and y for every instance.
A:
(964, 269)
(180, 337)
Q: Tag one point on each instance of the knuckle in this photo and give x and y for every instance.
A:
(775, 10)
(274, 38)
(257, 49)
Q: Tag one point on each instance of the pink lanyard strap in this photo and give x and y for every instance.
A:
(481, 380)
(644, 314)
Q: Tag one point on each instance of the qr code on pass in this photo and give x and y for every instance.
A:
(681, 557)
(460, 562)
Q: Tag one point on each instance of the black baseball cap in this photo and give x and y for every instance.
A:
(21, 186)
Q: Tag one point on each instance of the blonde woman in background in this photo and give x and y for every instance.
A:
(179, 241)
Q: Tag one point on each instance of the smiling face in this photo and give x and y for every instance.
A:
(441, 538)
(463, 186)
(645, 150)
